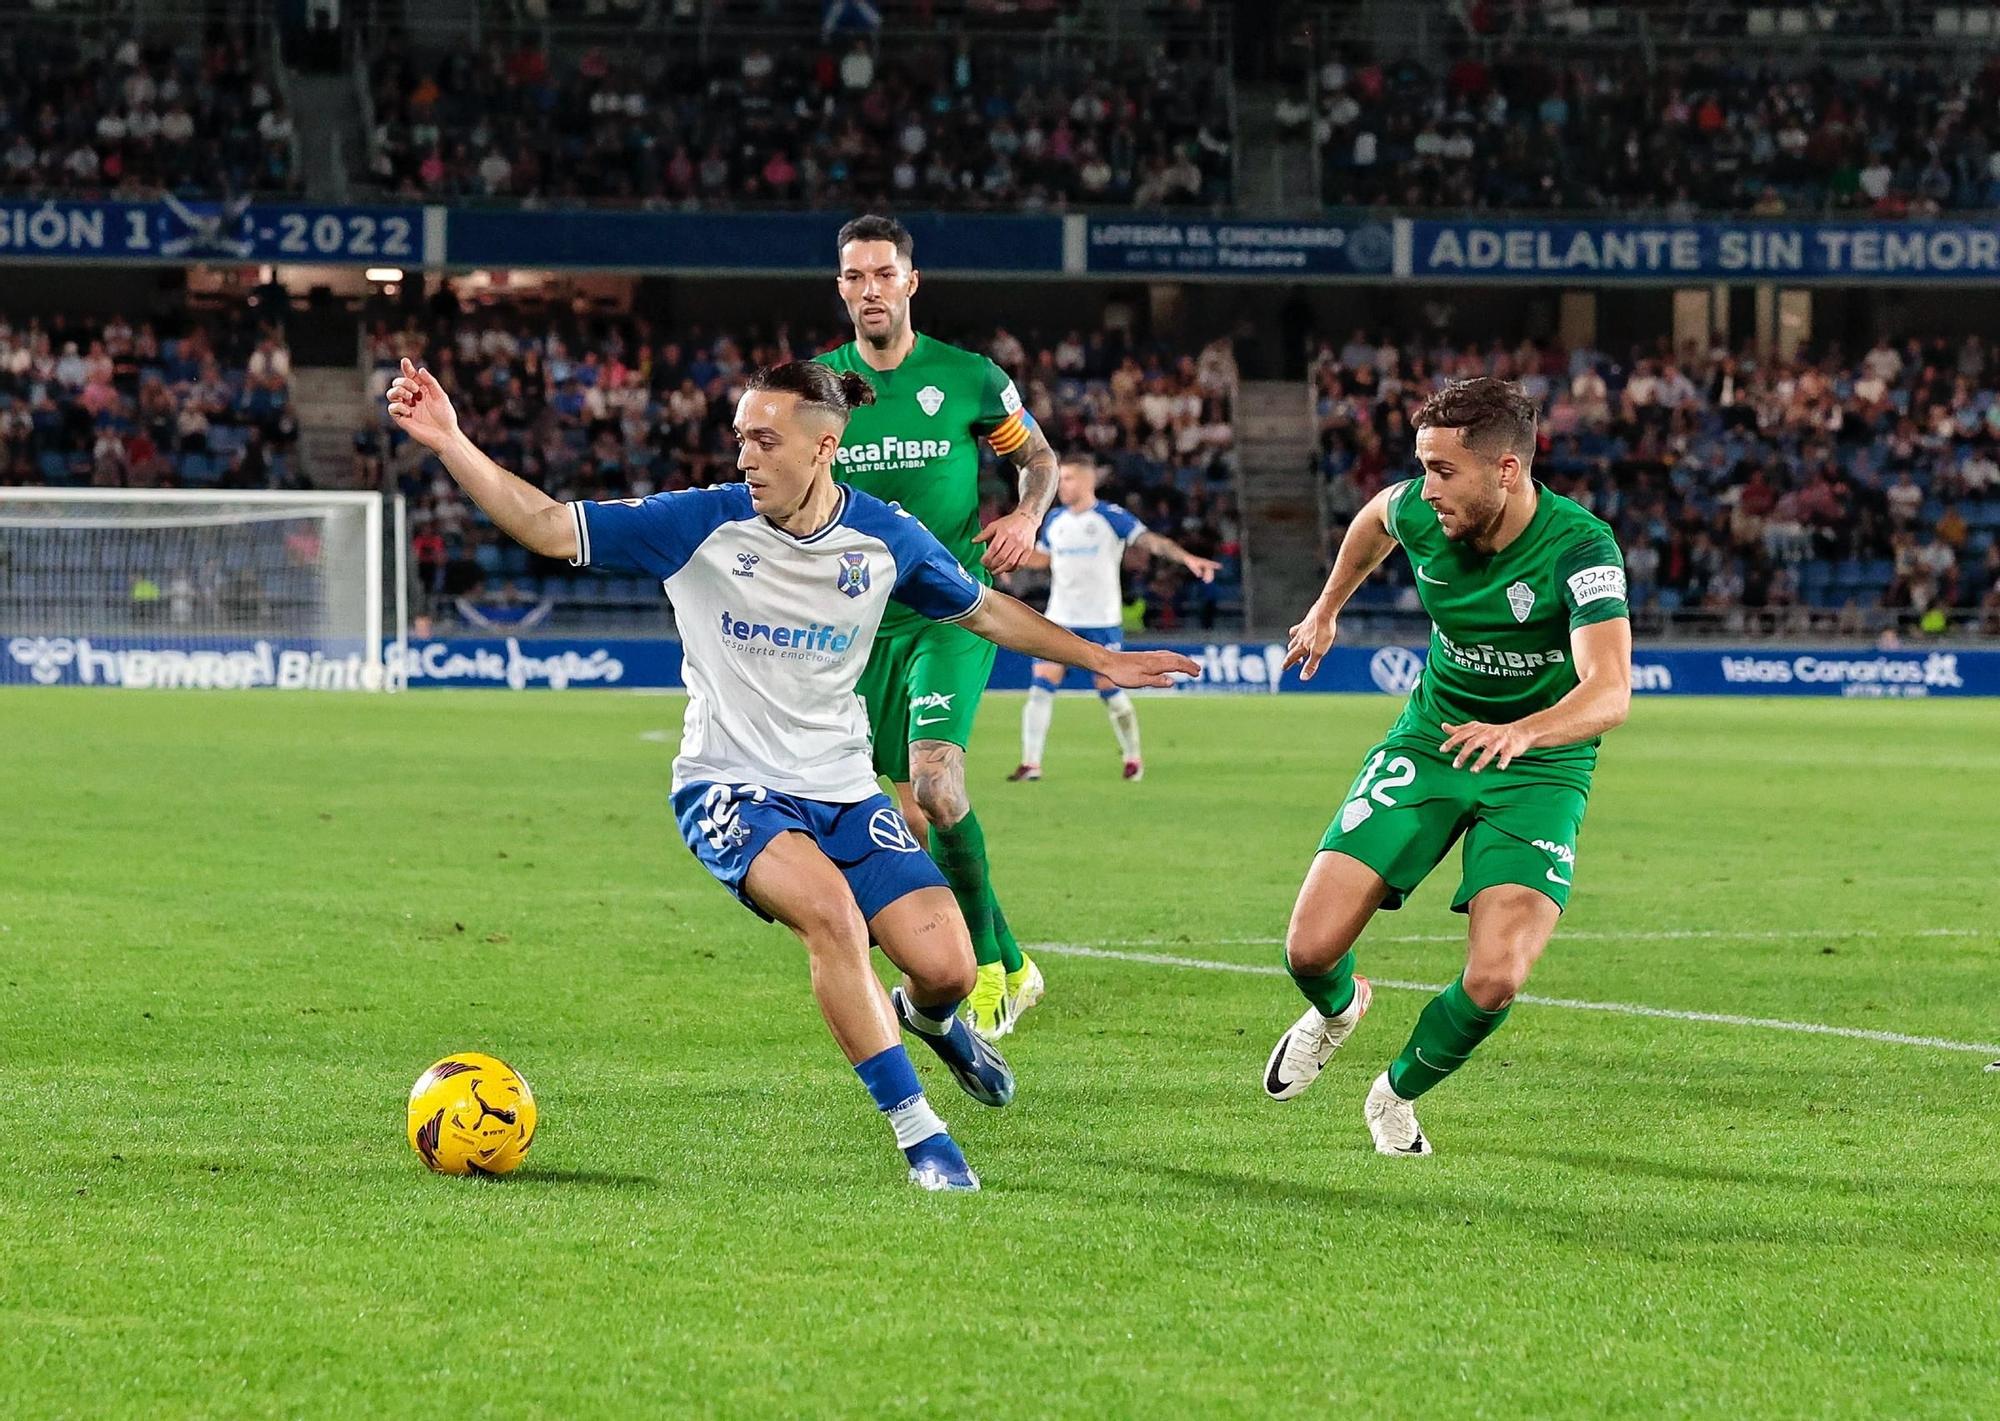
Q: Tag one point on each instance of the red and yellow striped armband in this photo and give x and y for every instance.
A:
(1012, 432)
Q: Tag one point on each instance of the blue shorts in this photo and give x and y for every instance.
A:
(727, 826)
(1113, 637)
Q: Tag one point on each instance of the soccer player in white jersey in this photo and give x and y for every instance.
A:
(778, 585)
(1082, 544)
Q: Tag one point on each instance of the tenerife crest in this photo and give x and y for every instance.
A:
(852, 577)
(931, 398)
(1521, 598)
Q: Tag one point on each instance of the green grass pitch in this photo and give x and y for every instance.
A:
(234, 928)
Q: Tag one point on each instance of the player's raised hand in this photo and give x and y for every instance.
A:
(1308, 642)
(1203, 568)
(420, 407)
(1009, 539)
(1133, 669)
(1488, 742)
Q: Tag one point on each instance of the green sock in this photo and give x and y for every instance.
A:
(960, 852)
(1451, 1025)
(1333, 991)
(1010, 950)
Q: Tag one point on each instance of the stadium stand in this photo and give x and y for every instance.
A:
(976, 122)
(1710, 133)
(83, 114)
(616, 409)
(1825, 494)
(187, 403)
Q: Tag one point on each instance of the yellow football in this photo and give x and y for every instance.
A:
(471, 1114)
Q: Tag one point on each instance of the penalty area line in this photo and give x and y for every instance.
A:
(1758, 1023)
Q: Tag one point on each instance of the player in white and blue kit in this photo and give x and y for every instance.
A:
(1082, 544)
(778, 584)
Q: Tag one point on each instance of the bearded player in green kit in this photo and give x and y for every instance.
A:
(918, 445)
(1530, 662)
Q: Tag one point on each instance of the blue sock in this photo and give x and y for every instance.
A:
(892, 1083)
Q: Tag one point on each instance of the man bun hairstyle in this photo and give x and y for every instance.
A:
(825, 389)
(1497, 416)
(872, 227)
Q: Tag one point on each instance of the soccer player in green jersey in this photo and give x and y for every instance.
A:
(918, 445)
(1530, 662)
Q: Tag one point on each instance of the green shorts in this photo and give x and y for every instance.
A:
(1409, 806)
(923, 685)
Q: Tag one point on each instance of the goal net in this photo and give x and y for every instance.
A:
(201, 588)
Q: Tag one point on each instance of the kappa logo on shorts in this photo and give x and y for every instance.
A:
(888, 830)
(852, 577)
(1354, 814)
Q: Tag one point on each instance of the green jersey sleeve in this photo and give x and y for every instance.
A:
(1593, 581)
(1401, 498)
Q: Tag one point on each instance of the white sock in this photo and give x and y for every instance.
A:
(1124, 722)
(914, 1122)
(931, 1025)
(1035, 718)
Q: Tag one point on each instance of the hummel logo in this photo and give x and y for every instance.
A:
(1423, 576)
(1555, 877)
(746, 564)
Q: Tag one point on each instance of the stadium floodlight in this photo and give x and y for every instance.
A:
(205, 588)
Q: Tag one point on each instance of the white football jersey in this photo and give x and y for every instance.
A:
(1086, 561)
(775, 629)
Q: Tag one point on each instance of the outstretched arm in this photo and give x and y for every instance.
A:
(1366, 545)
(420, 407)
(1157, 545)
(1009, 622)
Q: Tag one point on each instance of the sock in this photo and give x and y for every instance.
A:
(960, 852)
(892, 1082)
(1011, 956)
(1124, 722)
(1331, 992)
(1035, 718)
(931, 1020)
(1450, 1026)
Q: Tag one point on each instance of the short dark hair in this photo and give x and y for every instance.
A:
(872, 227)
(1497, 416)
(820, 386)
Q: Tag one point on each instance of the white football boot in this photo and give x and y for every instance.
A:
(1309, 1043)
(1392, 1120)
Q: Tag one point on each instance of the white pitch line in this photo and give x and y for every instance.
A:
(1762, 1023)
(1665, 935)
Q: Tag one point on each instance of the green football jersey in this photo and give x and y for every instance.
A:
(918, 444)
(1501, 622)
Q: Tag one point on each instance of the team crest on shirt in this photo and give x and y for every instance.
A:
(931, 398)
(852, 577)
(1521, 598)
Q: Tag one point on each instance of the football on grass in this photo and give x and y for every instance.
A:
(472, 1114)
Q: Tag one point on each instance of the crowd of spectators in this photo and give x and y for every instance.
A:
(618, 408)
(186, 403)
(1824, 493)
(799, 121)
(131, 118)
(1738, 131)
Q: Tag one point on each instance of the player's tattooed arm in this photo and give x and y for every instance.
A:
(1154, 545)
(1011, 537)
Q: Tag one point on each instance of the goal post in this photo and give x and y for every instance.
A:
(202, 588)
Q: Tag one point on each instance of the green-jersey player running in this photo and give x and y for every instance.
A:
(918, 445)
(1530, 662)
